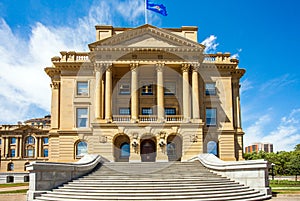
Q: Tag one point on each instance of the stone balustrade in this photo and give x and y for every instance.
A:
(45, 176)
(252, 173)
(13, 127)
(72, 56)
(220, 58)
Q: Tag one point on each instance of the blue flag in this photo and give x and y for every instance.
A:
(158, 8)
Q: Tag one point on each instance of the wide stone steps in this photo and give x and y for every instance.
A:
(152, 181)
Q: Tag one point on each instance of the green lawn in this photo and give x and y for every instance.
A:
(13, 185)
(14, 192)
(285, 187)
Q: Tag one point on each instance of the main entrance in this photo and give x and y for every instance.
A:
(148, 150)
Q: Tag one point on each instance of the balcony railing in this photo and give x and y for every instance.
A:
(121, 118)
(147, 118)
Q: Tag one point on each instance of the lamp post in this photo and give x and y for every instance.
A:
(272, 165)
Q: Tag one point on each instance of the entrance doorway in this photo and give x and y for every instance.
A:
(148, 150)
(121, 148)
(174, 148)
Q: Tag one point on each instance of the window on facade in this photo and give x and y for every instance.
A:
(124, 89)
(13, 140)
(212, 148)
(81, 117)
(83, 88)
(0, 141)
(147, 89)
(147, 111)
(12, 153)
(210, 89)
(211, 117)
(45, 152)
(124, 111)
(170, 111)
(170, 88)
(125, 150)
(81, 149)
(29, 151)
(27, 163)
(45, 140)
(10, 167)
(29, 140)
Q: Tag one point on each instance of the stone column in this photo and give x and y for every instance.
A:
(98, 92)
(195, 92)
(6, 153)
(36, 147)
(185, 93)
(134, 93)
(108, 93)
(160, 92)
(40, 147)
(17, 147)
(55, 104)
(21, 147)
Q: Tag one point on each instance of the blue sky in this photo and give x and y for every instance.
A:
(264, 35)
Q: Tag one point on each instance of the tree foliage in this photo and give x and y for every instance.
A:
(286, 163)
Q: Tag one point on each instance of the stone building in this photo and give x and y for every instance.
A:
(145, 94)
(21, 144)
(258, 146)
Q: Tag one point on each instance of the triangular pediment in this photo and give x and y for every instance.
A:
(147, 36)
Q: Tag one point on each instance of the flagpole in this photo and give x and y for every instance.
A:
(146, 17)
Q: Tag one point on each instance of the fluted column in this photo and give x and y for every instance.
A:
(6, 153)
(36, 147)
(134, 92)
(98, 93)
(108, 93)
(185, 92)
(21, 147)
(195, 92)
(160, 92)
(17, 147)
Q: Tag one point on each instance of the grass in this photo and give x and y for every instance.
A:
(284, 183)
(14, 192)
(13, 185)
(285, 187)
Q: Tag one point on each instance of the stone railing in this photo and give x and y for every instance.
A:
(220, 58)
(148, 118)
(121, 118)
(174, 118)
(72, 57)
(252, 173)
(45, 176)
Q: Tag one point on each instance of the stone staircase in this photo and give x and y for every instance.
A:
(152, 181)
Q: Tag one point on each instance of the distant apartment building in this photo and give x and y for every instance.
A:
(256, 147)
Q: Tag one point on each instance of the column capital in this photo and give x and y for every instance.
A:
(159, 67)
(55, 84)
(196, 67)
(185, 67)
(133, 66)
(103, 66)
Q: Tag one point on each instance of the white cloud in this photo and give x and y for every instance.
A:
(277, 83)
(211, 44)
(237, 55)
(284, 136)
(245, 86)
(24, 84)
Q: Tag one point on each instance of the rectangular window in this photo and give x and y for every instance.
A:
(210, 89)
(45, 153)
(83, 88)
(124, 111)
(170, 111)
(81, 117)
(46, 140)
(12, 153)
(124, 89)
(147, 111)
(13, 140)
(211, 116)
(147, 89)
(30, 152)
(170, 88)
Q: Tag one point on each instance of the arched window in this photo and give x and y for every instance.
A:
(81, 149)
(10, 167)
(212, 148)
(29, 140)
(27, 163)
(125, 150)
(171, 149)
(29, 147)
